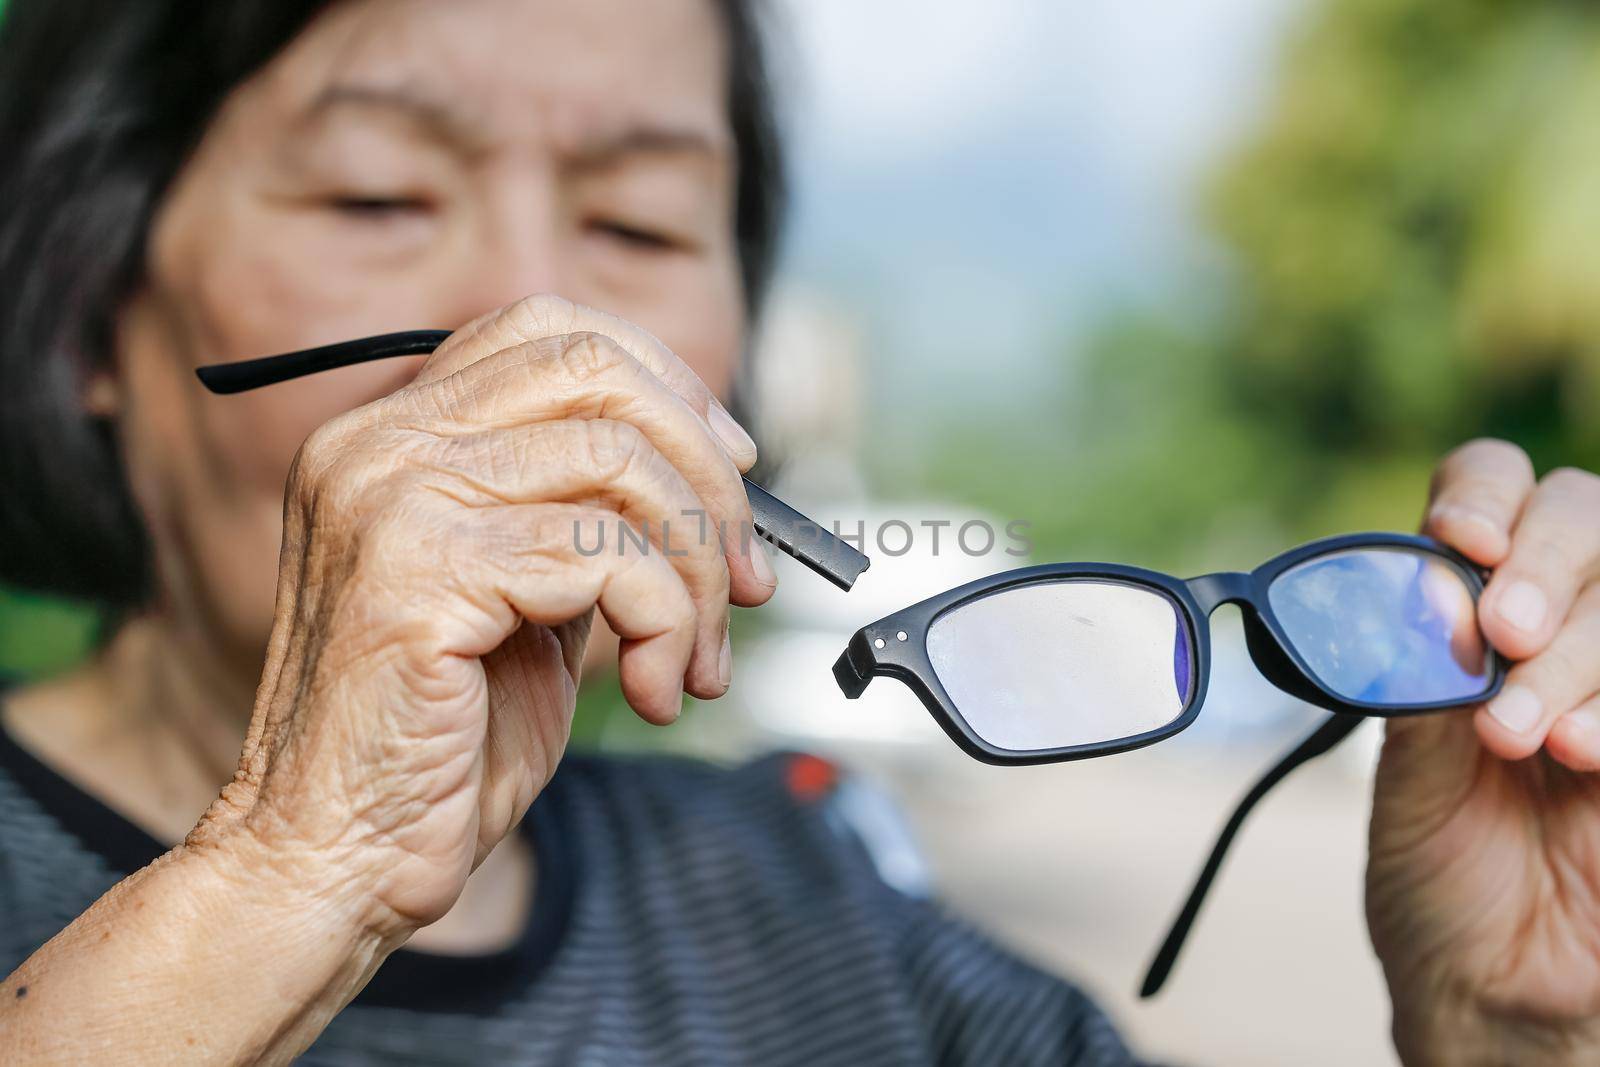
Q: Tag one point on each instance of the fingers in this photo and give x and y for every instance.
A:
(611, 464)
(1478, 491)
(588, 376)
(1555, 552)
(525, 559)
(548, 404)
(1540, 606)
(546, 315)
(1575, 738)
(1543, 691)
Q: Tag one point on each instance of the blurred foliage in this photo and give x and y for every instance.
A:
(39, 635)
(1409, 239)
(1414, 231)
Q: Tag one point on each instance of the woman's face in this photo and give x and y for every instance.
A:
(412, 164)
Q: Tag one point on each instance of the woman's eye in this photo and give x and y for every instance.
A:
(377, 208)
(634, 236)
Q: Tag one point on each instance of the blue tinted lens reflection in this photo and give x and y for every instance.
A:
(1384, 626)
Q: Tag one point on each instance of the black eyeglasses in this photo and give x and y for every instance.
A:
(774, 521)
(1071, 660)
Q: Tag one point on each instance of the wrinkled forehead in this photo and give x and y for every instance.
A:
(561, 73)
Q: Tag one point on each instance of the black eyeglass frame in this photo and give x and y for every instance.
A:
(878, 650)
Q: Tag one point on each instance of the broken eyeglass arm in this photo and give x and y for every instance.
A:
(809, 542)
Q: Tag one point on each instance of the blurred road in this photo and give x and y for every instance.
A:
(1079, 867)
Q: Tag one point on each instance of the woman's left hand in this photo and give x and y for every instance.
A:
(1483, 882)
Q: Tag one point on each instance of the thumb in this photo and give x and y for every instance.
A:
(1426, 768)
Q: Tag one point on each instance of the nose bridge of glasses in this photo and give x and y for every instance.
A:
(1211, 591)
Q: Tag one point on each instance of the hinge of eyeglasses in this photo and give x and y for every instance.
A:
(853, 669)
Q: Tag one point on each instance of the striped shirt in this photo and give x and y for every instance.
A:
(684, 914)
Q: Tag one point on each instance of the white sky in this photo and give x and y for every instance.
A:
(1157, 81)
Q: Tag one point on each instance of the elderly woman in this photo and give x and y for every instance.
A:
(186, 184)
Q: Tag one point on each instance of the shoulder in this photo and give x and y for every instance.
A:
(46, 877)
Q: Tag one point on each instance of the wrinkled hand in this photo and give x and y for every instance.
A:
(436, 585)
(1483, 883)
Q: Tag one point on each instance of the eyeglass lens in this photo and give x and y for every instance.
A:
(1384, 625)
(1056, 664)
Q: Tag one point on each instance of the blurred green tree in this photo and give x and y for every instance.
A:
(1409, 240)
(1413, 230)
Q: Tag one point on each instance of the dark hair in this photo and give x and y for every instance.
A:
(101, 102)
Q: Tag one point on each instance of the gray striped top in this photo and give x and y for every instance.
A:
(684, 915)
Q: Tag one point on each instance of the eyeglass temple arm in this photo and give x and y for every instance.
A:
(247, 374)
(816, 547)
(1325, 737)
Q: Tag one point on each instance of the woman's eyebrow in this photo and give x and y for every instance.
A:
(434, 117)
(645, 139)
(446, 124)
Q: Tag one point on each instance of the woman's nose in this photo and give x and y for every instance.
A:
(516, 257)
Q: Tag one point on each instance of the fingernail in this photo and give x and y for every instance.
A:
(725, 661)
(761, 563)
(1455, 521)
(1458, 513)
(734, 439)
(1517, 708)
(1523, 605)
(1586, 720)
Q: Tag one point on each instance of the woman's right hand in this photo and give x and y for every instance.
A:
(436, 585)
